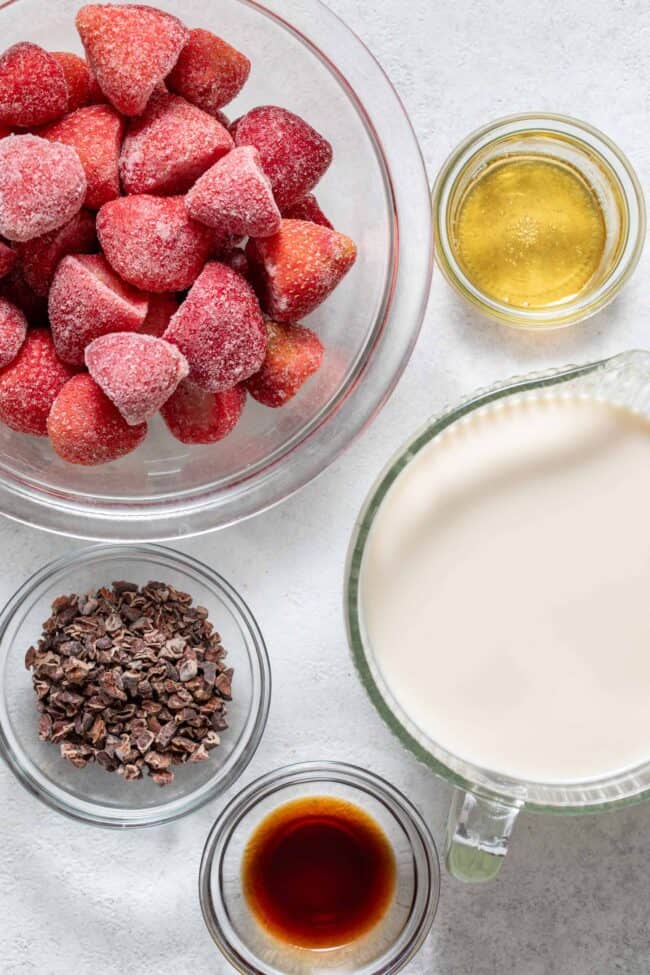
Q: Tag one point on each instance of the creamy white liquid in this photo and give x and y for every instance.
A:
(505, 589)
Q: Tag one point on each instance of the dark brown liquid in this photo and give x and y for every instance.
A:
(318, 872)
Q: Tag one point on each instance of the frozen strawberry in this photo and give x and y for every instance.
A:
(86, 428)
(293, 354)
(170, 146)
(130, 49)
(42, 186)
(195, 416)
(7, 258)
(235, 196)
(294, 156)
(13, 329)
(96, 133)
(160, 89)
(30, 384)
(15, 289)
(40, 257)
(138, 373)
(87, 299)
(209, 72)
(161, 310)
(33, 88)
(153, 243)
(219, 329)
(77, 78)
(297, 268)
(307, 209)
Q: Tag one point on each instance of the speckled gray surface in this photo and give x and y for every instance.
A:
(573, 896)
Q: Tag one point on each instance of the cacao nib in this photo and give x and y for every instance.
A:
(132, 678)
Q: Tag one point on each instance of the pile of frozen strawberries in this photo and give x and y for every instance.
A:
(153, 256)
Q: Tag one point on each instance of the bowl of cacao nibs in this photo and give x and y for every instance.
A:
(135, 685)
(221, 271)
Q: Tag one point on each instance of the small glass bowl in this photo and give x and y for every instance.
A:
(603, 166)
(383, 950)
(91, 794)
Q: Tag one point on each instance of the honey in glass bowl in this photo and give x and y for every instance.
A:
(539, 220)
(529, 231)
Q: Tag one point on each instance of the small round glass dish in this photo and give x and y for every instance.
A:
(92, 794)
(376, 192)
(606, 177)
(388, 946)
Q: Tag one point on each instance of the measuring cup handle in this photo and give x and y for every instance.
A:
(478, 831)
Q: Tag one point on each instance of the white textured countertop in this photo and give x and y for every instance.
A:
(573, 895)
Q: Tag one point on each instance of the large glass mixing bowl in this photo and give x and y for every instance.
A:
(376, 191)
(486, 803)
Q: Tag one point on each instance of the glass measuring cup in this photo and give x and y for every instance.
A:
(486, 805)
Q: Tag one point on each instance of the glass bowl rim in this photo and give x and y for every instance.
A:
(485, 782)
(615, 161)
(98, 814)
(421, 917)
(353, 406)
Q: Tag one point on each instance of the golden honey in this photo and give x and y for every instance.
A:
(529, 231)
